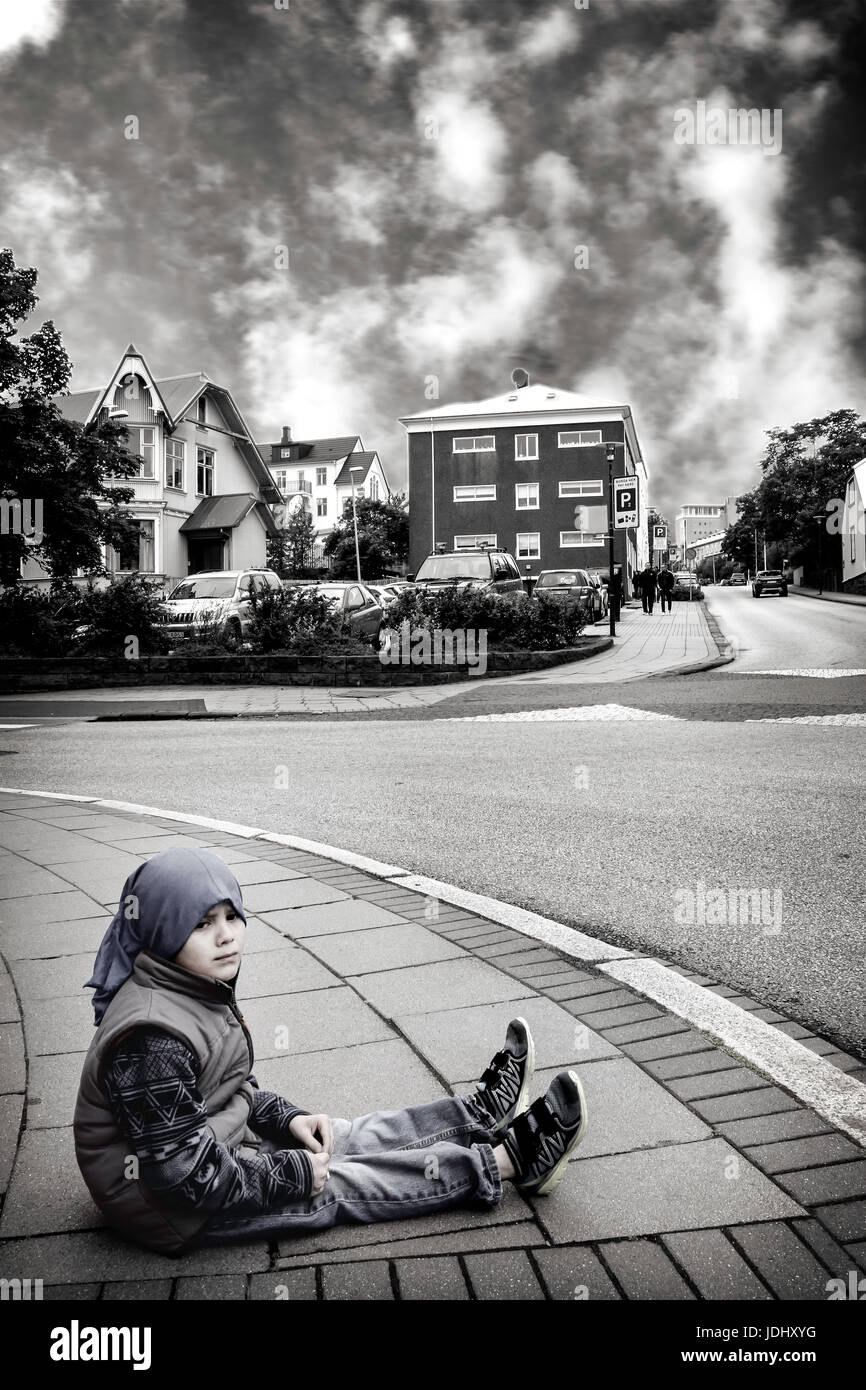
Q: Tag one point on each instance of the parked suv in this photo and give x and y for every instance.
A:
(738, 577)
(769, 582)
(574, 586)
(488, 567)
(218, 596)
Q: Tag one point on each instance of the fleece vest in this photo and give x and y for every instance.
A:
(203, 1014)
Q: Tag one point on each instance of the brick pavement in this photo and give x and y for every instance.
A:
(698, 1178)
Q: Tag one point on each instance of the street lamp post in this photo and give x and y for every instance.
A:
(821, 517)
(355, 520)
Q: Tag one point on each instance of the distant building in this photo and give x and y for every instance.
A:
(315, 475)
(854, 532)
(202, 493)
(525, 470)
(695, 522)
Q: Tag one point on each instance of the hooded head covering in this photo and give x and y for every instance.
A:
(163, 900)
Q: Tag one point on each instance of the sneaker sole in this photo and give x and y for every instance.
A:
(521, 1103)
(552, 1181)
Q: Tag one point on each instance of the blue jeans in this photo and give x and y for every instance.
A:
(386, 1166)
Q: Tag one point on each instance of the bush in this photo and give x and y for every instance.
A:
(130, 607)
(36, 623)
(298, 620)
(512, 621)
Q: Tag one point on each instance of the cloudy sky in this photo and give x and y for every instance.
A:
(328, 204)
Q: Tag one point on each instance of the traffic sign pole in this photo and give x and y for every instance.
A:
(611, 455)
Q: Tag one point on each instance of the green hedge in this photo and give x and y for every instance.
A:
(511, 621)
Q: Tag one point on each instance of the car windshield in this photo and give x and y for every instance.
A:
(557, 579)
(215, 586)
(332, 591)
(770, 574)
(454, 567)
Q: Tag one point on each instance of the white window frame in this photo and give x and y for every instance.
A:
(528, 546)
(472, 444)
(321, 506)
(285, 453)
(142, 431)
(281, 476)
(587, 540)
(586, 439)
(489, 490)
(203, 449)
(526, 504)
(530, 451)
(473, 542)
(201, 411)
(374, 488)
(582, 487)
(176, 444)
(321, 477)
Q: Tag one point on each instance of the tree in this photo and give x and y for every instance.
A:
(54, 473)
(291, 553)
(383, 538)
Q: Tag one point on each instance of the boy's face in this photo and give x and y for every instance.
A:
(214, 949)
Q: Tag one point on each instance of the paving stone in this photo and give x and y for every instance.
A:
(613, 1018)
(437, 1279)
(858, 1253)
(828, 1250)
(51, 979)
(460, 1042)
(353, 914)
(83, 1257)
(505, 1275)
(803, 1153)
(601, 1001)
(664, 1027)
(715, 1266)
(516, 955)
(553, 971)
(517, 1235)
(794, 1030)
(423, 988)
(12, 1068)
(66, 1027)
(26, 879)
(9, 1010)
(677, 1187)
(11, 1111)
(717, 1083)
(691, 1064)
(831, 1184)
(150, 1290)
(846, 1222)
(352, 1081)
(318, 1021)
(46, 907)
(63, 1293)
(384, 948)
(26, 942)
(214, 1288)
(47, 1192)
(783, 1261)
(288, 970)
(260, 937)
(768, 1129)
(644, 1271)
(575, 1273)
(284, 1285)
(53, 1089)
(769, 1100)
(584, 986)
(368, 1281)
(262, 871)
(670, 1045)
(844, 1061)
(268, 900)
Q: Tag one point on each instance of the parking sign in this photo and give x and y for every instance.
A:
(625, 503)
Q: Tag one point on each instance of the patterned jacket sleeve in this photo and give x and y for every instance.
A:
(151, 1085)
(271, 1116)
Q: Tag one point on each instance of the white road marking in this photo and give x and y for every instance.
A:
(826, 673)
(589, 713)
(810, 719)
(17, 726)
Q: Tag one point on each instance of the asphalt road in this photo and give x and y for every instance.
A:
(788, 633)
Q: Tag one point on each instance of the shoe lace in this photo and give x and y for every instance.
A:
(530, 1127)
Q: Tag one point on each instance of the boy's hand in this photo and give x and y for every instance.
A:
(315, 1132)
(320, 1171)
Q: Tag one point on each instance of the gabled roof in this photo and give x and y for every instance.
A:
(312, 450)
(359, 459)
(179, 392)
(517, 402)
(226, 511)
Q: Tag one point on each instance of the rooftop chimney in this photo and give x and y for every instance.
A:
(287, 435)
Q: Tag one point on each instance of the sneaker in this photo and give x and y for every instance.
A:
(503, 1089)
(539, 1143)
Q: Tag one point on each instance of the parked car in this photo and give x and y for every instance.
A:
(361, 611)
(487, 567)
(600, 579)
(687, 586)
(572, 586)
(769, 582)
(221, 597)
(738, 577)
(385, 593)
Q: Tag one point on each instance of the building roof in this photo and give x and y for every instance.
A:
(359, 459)
(225, 512)
(518, 401)
(312, 450)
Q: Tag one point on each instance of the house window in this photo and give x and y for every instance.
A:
(374, 489)
(526, 496)
(321, 506)
(147, 449)
(528, 545)
(473, 542)
(135, 553)
(204, 472)
(280, 478)
(578, 439)
(481, 492)
(590, 528)
(474, 444)
(321, 477)
(175, 450)
(526, 446)
(285, 453)
(202, 410)
(588, 487)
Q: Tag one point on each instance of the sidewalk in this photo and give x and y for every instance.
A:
(699, 1178)
(828, 596)
(645, 645)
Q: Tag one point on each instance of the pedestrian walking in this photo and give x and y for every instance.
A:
(648, 588)
(666, 584)
(635, 583)
(180, 1147)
